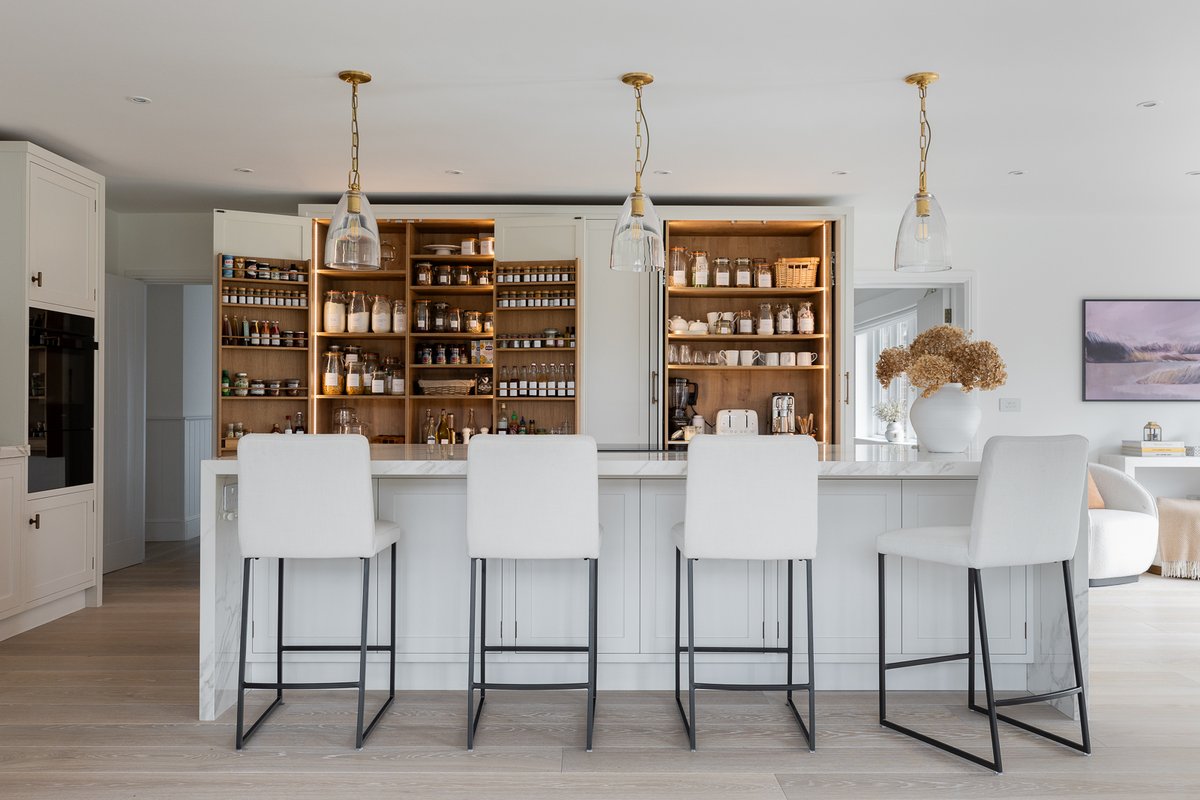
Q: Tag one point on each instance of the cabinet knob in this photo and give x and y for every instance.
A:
(37, 278)
(36, 522)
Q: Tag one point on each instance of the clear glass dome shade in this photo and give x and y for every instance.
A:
(353, 239)
(923, 242)
(637, 244)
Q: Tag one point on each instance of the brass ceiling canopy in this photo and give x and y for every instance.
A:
(918, 79)
(354, 76)
(635, 79)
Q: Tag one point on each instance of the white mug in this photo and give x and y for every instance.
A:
(713, 316)
(787, 359)
(728, 357)
(806, 359)
(748, 357)
(772, 359)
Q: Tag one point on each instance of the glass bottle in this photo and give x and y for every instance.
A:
(399, 317)
(502, 422)
(226, 331)
(807, 322)
(298, 422)
(443, 429)
(358, 317)
(429, 427)
(721, 272)
(522, 382)
(763, 278)
(381, 315)
(356, 378)
(335, 312)
(743, 273)
(333, 379)
(502, 386)
(396, 377)
(571, 380)
(677, 266)
(469, 429)
(699, 268)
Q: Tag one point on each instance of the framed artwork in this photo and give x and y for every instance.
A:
(1141, 350)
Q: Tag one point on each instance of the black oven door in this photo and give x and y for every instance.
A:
(62, 363)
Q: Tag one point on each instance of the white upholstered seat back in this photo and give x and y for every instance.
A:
(533, 497)
(305, 496)
(1030, 502)
(751, 497)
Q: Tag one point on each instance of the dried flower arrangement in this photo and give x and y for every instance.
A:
(943, 354)
(890, 411)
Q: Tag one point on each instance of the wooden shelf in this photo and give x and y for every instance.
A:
(450, 366)
(451, 335)
(267, 282)
(746, 337)
(302, 398)
(455, 259)
(264, 348)
(571, 309)
(364, 274)
(424, 289)
(361, 335)
(272, 308)
(726, 291)
(357, 397)
(756, 368)
(500, 350)
(538, 399)
(517, 285)
(447, 398)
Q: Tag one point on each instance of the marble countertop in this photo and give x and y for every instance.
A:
(854, 461)
(14, 451)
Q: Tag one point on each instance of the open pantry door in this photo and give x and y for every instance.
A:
(268, 235)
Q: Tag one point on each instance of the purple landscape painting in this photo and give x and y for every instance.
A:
(1141, 350)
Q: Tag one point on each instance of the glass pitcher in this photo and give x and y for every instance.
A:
(806, 319)
(333, 376)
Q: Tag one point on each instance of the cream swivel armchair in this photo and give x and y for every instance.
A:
(1122, 536)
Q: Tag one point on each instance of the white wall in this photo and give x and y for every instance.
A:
(1033, 274)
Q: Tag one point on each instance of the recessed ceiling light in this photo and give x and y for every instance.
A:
(1147, 104)
(454, 172)
(840, 172)
(246, 170)
(139, 99)
(662, 172)
(1016, 172)
(1192, 172)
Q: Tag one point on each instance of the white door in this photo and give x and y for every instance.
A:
(935, 596)
(124, 422)
(59, 550)
(620, 406)
(554, 237)
(267, 235)
(63, 234)
(12, 496)
(551, 596)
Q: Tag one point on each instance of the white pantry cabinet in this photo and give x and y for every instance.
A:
(64, 212)
(12, 502)
(60, 544)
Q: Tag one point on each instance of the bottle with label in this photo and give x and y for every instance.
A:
(287, 424)
(226, 331)
(502, 422)
(298, 424)
(522, 382)
(381, 315)
(429, 427)
(513, 427)
(443, 429)
(358, 317)
(453, 430)
(255, 338)
(571, 380)
(379, 380)
(544, 382)
(469, 429)
(521, 429)
(225, 384)
(502, 386)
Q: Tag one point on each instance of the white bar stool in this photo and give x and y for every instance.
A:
(281, 515)
(501, 523)
(1028, 509)
(748, 498)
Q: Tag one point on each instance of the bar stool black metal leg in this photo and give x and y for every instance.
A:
(392, 640)
(482, 636)
(239, 739)
(812, 664)
(882, 643)
(471, 665)
(692, 652)
(678, 643)
(985, 651)
(279, 636)
(790, 654)
(592, 642)
(970, 641)
(1068, 586)
(362, 655)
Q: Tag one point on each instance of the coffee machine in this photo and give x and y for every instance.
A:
(783, 413)
(681, 393)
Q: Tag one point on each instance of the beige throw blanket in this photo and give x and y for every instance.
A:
(1179, 537)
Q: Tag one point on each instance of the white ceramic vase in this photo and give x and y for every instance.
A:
(946, 422)
(894, 432)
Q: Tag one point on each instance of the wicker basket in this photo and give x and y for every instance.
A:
(456, 388)
(797, 273)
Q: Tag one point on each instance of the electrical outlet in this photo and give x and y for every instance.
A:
(1010, 404)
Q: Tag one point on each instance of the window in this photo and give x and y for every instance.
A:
(870, 339)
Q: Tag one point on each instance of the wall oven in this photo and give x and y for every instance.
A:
(62, 399)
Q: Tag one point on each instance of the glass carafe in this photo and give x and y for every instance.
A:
(699, 268)
(358, 316)
(677, 268)
(333, 379)
(335, 312)
(807, 322)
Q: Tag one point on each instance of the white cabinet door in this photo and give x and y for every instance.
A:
(620, 398)
(935, 596)
(551, 596)
(557, 237)
(851, 514)
(12, 501)
(59, 548)
(729, 599)
(63, 249)
(267, 235)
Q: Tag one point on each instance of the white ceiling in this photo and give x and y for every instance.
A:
(753, 100)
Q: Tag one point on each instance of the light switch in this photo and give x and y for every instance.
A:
(1010, 404)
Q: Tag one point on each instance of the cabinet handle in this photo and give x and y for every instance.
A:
(36, 522)
(37, 278)
(846, 396)
(654, 388)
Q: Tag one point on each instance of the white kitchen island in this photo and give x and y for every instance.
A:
(864, 490)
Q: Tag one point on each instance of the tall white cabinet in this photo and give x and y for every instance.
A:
(51, 223)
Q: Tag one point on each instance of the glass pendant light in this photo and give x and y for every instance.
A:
(637, 244)
(353, 239)
(923, 243)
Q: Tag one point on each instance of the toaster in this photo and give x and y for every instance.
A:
(737, 422)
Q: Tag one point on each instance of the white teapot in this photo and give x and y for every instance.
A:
(678, 324)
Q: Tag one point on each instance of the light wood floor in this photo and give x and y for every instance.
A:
(102, 704)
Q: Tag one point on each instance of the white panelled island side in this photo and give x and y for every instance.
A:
(863, 491)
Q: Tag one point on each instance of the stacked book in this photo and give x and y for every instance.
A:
(1134, 447)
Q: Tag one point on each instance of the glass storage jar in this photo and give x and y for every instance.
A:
(677, 266)
(699, 268)
(766, 320)
(454, 320)
(399, 317)
(743, 273)
(381, 315)
(483, 277)
(424, 273)
(333, 378)
(472, 322)
(335, 312)
(489, 322)
(241, 384)
(721, 272)
(440, 313)
(441, 275)
(356, 378)
(422, 319)
(462, 276)
(785, 321)
(358, 316)
(763, 278)
(807, 322)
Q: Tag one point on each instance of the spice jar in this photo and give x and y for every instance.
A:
(335, 312)
(358, 317)
(381, 315)
(677, 266)
(462, 275)
(763, 278)
(241, 384)
(440, 312)
(483, 277)
(468, 246)
(424, 272)
(441, 275)
(274, 386)
(805, 318)
(333, 378)
(258, 388)
(422, 322)
(473, 321)
(743, 273)
(487, 245)
(356, 378)
(699, 268)
(721, 271)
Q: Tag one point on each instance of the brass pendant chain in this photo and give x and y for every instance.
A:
(926, 136)
(354, 176)
(639, 117)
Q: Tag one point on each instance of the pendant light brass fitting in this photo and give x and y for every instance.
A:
(354, 76)
(635, 79)
(919, 79)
